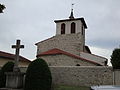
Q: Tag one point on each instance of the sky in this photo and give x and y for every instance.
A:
(32, 21)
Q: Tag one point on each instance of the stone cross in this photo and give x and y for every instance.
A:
(17, 47)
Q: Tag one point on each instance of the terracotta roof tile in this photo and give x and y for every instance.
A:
(58, 51)
(11, 56)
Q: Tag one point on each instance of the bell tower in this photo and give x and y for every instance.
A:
(72, 26)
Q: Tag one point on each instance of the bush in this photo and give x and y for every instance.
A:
(38, 76)
(115, 58)
(8, 67)
(2, 7)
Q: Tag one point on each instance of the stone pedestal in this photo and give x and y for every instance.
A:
(14, 80)
(116, 77)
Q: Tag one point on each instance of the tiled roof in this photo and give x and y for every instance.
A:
(82, 19)
(11, 56)
(44, 40)
(58, 51)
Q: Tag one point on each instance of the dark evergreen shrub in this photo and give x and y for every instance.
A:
(1, 79)
(115, 58)
(38, 76)
(8, 67)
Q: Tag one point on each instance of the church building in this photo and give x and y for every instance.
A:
(67, 47)
(9, 57)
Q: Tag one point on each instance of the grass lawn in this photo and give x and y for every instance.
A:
(71, 88)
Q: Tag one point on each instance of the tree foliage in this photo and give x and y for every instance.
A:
(115, 58)
(8, 67)
(38, 76)
(2, 7)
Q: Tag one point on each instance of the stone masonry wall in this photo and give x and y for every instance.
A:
(64, 60)
(69, 42)
(81, 75)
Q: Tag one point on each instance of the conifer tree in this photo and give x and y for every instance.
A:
(115, 58)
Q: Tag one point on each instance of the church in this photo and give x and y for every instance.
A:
(67, 47)
(9, 57)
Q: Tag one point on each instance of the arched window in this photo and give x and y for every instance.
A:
(72, 27)
(62, 28)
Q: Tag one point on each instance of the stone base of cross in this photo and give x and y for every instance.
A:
(14, 80)
(16, 69)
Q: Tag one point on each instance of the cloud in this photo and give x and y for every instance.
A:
(33, 21)
(103, 52)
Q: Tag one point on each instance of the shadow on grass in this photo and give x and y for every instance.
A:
(71, 88)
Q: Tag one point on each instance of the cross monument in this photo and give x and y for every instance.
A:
(17, 47)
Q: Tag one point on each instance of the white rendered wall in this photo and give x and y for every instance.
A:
(68, 27)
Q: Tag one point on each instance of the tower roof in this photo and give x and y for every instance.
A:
(71, 18)
(82, 20)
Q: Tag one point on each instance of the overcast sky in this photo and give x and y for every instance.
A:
(32, 21)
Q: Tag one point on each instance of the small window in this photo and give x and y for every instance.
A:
(62, 28)
(105, 63)
(77, 64)
(82, 30)
(99, 65)
(49, 64)
(72, 27)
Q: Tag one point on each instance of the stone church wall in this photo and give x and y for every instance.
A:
(64, 60)
(69, 42)
(81, 75)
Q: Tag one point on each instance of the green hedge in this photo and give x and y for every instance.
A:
(38, 76)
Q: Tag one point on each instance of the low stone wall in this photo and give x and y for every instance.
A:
(116, 76)
(81, 75)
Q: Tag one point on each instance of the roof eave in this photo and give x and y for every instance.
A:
(82, 19)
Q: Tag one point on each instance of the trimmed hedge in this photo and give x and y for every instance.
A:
(8, 67)
(38, 76)
(115, 58)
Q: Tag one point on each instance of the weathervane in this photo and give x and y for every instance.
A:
(72, 6)
(71, 15)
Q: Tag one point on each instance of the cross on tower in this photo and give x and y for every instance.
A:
(17, 47)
